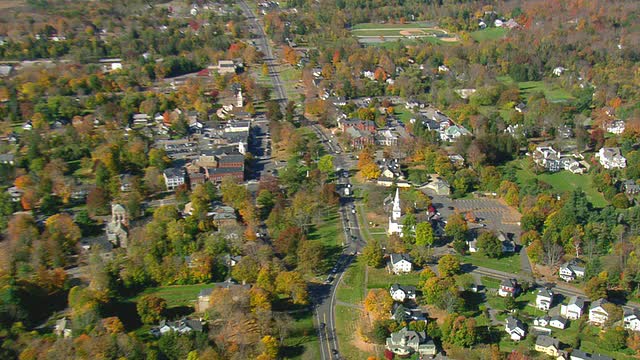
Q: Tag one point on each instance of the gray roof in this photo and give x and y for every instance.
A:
(406, 288)
(560, 319)
(599, 302)
(545, 293)
(513, 323)
(173, 172)
(509, 282)
(547, 341)
(395, 258)
(579, 354)
(577, 300)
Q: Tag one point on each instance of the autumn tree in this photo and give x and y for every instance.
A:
(424, 234)
(489, 244)
(151, 308)
(291, 284)
(61, 236)
(448, 266)
(373, 254)
(378, 303)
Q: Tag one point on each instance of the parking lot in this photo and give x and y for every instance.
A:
(495, 214)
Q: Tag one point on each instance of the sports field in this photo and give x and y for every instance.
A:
(376, 33)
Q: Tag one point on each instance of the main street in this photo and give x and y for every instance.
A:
(324, 297)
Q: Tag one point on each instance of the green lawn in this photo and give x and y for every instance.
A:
(380, 278)
(488, 34)
(392, 26)
(551, 91)
(302, 342)
(175, 295)
(403, 113)
(351, 288)
(563, 181)
(328, 230)
(346, 328)
(506, 263)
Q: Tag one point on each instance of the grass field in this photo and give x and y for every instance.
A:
(351, 288)
(176, 295)
(346, 329)
(328, 230)
(488, 34)
(380, 278)
(552, 92)
(563, 181)
(507, 263)
(302, 342)
(366, 26)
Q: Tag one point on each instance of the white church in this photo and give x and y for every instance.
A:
(395, 220)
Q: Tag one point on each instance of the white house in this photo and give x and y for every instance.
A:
(616, 127)
(558, 322)
(598, 315)
(63, 328)
(575, 308)
(400, 263)
(406, 342)
(557, 71)
(570, 271)
(611, 158)
(173, 177)
(515, 328)
(631, 319)
(401, 293)
(542, 321)
(544, 299)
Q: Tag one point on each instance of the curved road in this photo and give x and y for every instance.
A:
(324, 297)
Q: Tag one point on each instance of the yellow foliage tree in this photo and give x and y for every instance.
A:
(378, 303)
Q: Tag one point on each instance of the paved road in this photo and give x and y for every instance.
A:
(325, 300)
(324, 296)
(263, 45)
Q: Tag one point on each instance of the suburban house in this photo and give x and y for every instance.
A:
(571, 270)
(411, 314)
(611, 158)
(542, 321)
(63, 327)
(7, 159)
(581, 355)
(508, 246)
(400, 263)
(438, 185)
(544, 299)
(225, 67)
(401, 293)
(515, 328)
(508, 287)
(453, 133)
(631, 319)
(598, 315)
(615, 127)
(575, 308)
(548, 345)
(406, 342)
(553, 160)
(360, 138)
(558, 322)
(173, 177)
(521, 107)
(181, 326)
(630, 187)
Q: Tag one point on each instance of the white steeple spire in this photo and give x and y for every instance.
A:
(396, 212)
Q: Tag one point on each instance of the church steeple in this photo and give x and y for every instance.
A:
(396, 212)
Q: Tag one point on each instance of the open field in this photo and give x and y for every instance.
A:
(488, 34)
(509, 263)
(176, 295)
(302, 342)
(381, 33)
(563, 181)
(351, 288)
(551, 91)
